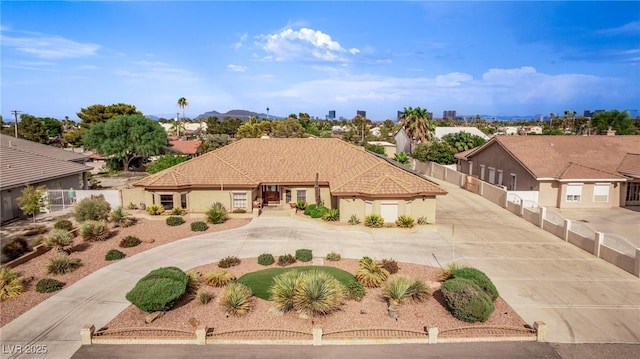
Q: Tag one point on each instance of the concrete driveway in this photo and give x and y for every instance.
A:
(581, 298)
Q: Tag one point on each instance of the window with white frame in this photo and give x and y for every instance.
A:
(500, 179)
(301, 195)
(601, 192)
(470, 167)
(574, 193)
(492, 175)
(239, 200)
(514, 182)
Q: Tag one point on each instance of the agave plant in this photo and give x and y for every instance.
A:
(282, 290)
(400, 288)
(11, 285)
(58, 239)
(318, 293)
(370, 274)
(236, 299)
(218, 278)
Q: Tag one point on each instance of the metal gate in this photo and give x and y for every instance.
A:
(633, 194)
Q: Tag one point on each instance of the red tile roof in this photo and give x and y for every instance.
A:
(347, 169)
(187, 147)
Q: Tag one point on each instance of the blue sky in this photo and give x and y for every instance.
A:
(310, 56)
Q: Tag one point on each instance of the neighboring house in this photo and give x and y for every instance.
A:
(567, 171)
(30, 162)
(443, 131)
(184, 147)
(403, 142)
(278, 171)
(507, 130)
(529, 130)
(389, 148)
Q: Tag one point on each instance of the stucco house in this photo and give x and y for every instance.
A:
(440, 132)
(389, 148)
(567, 171)
(30, 162)
(278, 171)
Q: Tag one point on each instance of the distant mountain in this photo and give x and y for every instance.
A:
(242, 114)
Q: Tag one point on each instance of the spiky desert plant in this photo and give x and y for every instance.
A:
(63, 264)
(236, 299)
(217, 213)
(318, 293)
(218, 278)
(400, 288)
(420, 291)
(11, 285)
(281, 291)
(58, 239)
(448, 271)
(121, 218)
(193, 284)
(94, 231)
(204, 297)
(405, 221)
(370, 274)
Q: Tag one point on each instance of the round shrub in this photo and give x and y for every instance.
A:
(175, 220)
(374, 220)
(48, 285)
(309, 208)
(467, 301)
(319, 211)
(285, 260)
(478, 278)
(159, 289)
(113, 255)
(94, 231)
(333, 257)
(218, 278)
(92, 209)
(16, 248)
(356, 290)
(199, 226)
(230, 261)
(65, 224)
(390, 265)
(266, 259)
(129, 241)
(304, 255)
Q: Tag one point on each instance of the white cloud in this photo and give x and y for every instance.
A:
(452, 79)
(49, 46)
(304, 44)
(238, 44)
(629, 28)
(236, 68)
(156, 71)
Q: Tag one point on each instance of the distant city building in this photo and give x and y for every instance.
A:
(332, 115)
(361, 113)
(588, 113)
(449, 114)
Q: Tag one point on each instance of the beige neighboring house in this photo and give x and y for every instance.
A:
(567, 171)
(389, 148)
(30, 162)
(278, 171)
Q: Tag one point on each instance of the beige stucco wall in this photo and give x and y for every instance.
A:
(197, 200)
(548, 194)
(413, 207)
(325, 195)
(586, 200)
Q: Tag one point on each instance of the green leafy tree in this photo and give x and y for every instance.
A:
(212, 142)
(435, 151)
(358, 130)
(32, 200)
(213, 125)
(74, 137)
(462, 141)
(127, 137)
(229, 126)
(248, 130)
(101, 113)
(52, 126)
(616, 120)
(379, 149)
(417, 124)
(32, 129)
(266, 127)
(182, 103)
(288, 128)
(387, 131)
(165, 161)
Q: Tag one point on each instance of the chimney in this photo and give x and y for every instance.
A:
(611, 132)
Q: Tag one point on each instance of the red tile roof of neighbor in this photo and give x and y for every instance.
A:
(573, 157)
(347, 169)
(187, 147)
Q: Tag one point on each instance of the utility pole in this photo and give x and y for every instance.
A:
(178, 124)
(15, 114)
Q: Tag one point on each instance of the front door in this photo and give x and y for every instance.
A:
(271, 194)
(633, 194)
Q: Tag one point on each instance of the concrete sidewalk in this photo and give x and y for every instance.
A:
(580, 297)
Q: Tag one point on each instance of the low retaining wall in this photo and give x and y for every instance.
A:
(36, 252)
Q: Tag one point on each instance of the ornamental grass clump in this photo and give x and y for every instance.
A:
(370, 274)
(313, 292)
(282, 289)
(63, 264)
(405, 221)
(94, 231)
(217, 213)
(218, 278)
(16, 248)
(374, 221)
(120, 218)
(11, 284)
(237, 299)
(58, 239)
(195, 278)
(400, 288)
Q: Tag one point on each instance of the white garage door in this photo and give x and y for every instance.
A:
(389, 211)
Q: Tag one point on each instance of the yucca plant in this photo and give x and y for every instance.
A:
(217, 213)
(178, 211)
(11, 284)
(370, 274)
(218, 278)
(354, 220)
(420, 291)
(374, 220)
(332, 215)
(204, 297)
(282, 290)
(193, 284)
(94, 231)
(400, 288)
(405, 221)
(121, 218)
(58, 239)
(237, 299)
(318, 293)
(447, 272)
(423, 220)
(63, 264)
(154, 209)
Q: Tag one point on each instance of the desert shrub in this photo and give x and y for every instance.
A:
(449, 269)
(174, 221)
(266, 259)
(159, 289)
(58, 238)
(63, 264)
(237, 299)
(11, 284)
(94, 230)
(230, 261)
(92, 209)
(218, 278)
(331, 215)
(239, 210)
(193, 283)
(354, 220)
(281, 291)
(16, 248)
(370, 274)
(155, 209)
(35, 229)
(390, 265)
(309, 208)
(129, 241)
(374, 220)
(319, 211)
(405, 221)
(466, 301)
(65, 224)
(479, 278)
(317, 293)
(400, 288)
(304, 255)
(131, 206)
(286, 259)
(48, 285)
(178, 211)
(113, 255)
(204, 297)
(217, 213)
(199, 226)
(422, 220)
(333, 257)
(301, 204)
(121, 218)
(355, 290)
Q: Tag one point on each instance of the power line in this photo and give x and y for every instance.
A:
(15, 113)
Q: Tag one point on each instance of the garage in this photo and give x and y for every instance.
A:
(389, 211)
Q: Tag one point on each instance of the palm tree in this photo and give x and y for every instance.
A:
(417, 124)
(182, 102)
